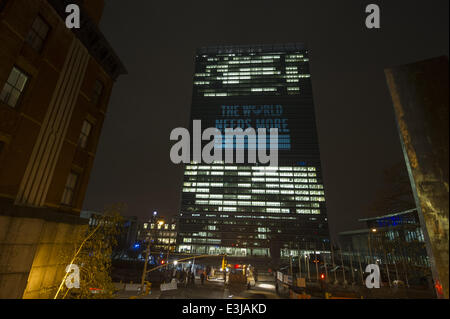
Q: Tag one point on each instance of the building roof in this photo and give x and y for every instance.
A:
(368, 230)
(389, 215)
(94, 40)
(256, 48)
(354, 232)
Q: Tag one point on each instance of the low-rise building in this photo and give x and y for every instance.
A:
(162, 233)
(396, 237)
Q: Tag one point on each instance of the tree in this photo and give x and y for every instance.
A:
(92, 255)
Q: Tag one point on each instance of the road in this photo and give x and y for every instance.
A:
(213, 289)
(216, 290)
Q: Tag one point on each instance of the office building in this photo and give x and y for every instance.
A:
(250, 209)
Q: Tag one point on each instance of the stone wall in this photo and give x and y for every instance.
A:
(31, 251)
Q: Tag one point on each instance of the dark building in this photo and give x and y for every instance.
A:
(55, 85)
(249, 209)
(128, 234)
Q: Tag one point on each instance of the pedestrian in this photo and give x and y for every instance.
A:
(202, 277)
(193, 278)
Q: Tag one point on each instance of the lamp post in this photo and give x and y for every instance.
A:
(373, 230)
(147, 254)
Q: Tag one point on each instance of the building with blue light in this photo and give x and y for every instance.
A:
(395, 238)
(246, 209)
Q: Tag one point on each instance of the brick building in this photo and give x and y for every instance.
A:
(55, 84)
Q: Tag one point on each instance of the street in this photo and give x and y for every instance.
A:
(213, 289)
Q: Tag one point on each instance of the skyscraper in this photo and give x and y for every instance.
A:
(248, 209)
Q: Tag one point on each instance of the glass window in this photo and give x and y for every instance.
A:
(14, 87)
(38, 34)
(84, 135)
(3, 4)
(98, 92)
(69, 189)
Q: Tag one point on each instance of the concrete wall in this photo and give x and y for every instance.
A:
(31, 252)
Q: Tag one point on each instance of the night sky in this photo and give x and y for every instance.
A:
(156, 41)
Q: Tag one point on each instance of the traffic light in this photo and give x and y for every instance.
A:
(322, 276)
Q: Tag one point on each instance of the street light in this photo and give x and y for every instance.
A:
(374, 230)
(160, 224)
(147, 255)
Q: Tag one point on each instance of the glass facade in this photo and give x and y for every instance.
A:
(249, 209)
(256, 71)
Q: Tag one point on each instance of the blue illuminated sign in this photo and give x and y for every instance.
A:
(255, 116)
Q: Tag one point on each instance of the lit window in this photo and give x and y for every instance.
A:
(273, 204)
(38, 34)
(69, 189)
(84, 135)
(14, 87)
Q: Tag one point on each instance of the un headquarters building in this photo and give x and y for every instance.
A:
(250, 209)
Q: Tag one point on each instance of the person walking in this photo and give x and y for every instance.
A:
(202, 278)
(186, 278)
(193, 278)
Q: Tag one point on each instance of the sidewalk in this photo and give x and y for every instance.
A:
(155, 294)
(130, 291)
